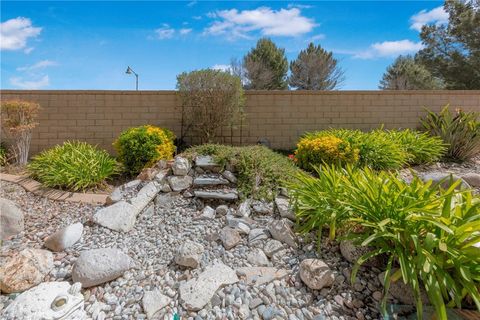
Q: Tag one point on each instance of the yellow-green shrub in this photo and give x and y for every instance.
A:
(313, 151)
(143, 146)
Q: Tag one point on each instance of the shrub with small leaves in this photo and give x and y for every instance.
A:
(143, 146)
(75, 166)
(3, 155)
(314, 151)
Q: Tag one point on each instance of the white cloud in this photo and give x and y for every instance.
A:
(299, 6)
(316, 37)
(238, 24)
(221, 67)
(39, 65)
(192, 3)
(14, 33)
(30, 84)
(165, 32)
(185, 31)
(437, 16)
(389, 49)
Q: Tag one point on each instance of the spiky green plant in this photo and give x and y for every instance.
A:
(74, 165)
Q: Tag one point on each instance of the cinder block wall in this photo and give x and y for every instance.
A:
(281, 117)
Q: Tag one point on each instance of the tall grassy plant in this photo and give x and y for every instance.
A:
(75, 166)
(459, 129)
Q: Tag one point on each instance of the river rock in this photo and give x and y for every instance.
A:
(97, 266)
(11, 219)
(316, 274)
(208, 213)
(281, 231)
(119, 216)
(189, 253)
(65, 237)
(222, 210)
(25, 270)
(196, 293)
(154, 301)
(181, 166)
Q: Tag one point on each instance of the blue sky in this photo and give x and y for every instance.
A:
(88, 45)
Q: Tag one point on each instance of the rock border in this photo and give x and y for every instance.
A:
(39, 189)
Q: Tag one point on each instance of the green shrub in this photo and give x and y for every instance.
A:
(3, 154)
(460, 130)
(376, 150)
(420, 147)
(143, 146)
(73, 166)
(313, 151)
(260, 171)
(429, 234)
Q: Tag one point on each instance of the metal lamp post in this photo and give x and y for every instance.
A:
(130, 71)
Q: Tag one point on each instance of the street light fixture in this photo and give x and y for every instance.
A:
(130, 71)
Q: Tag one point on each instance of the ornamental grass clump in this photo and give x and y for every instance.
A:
(19, 118)
(428, 235)
(143, 146)
(460, 130)
(74, 166)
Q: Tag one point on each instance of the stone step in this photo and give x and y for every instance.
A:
(207, 163)
(218, 194)
(209, 180)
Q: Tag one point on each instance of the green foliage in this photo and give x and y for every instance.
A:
(452, 51)
(376, 150)
(428, 233)
(460, 130)
(407, 74)
(420, 147)
(260, 171)
(143, 146)
(314, 151)
(211, 99)
(3, 154)
(75, 166)
(266, 66)
(315, 69)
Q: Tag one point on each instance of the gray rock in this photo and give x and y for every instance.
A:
(115, 196)
(48, 300)
(262, 207)
(243, 209)
(11, 219)
(258, 258)
(119, 216)
(316, 274)
(445, 180)
(261, 275)
(222, 210)
(154, 301)
(65, 237)
(283, 207)
(164, 200)
(196, 293)
(257, 235)
(472, 178)
(25, 270)
(181, 166)
(403, 292)
(179, 183)
(281, 231)
(209, 180)
(352, 253)
(225, 195)
(272, 246)
(229, 176)
(271, 312)
(145, 195)
(208, 213)
(229, 237)
(97, 266)
(207, 163)
(189, 253)
(240, 224)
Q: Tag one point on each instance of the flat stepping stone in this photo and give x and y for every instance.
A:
(209, 180)
(225, 195)
(207, 163)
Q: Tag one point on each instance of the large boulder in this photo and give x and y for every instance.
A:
(281, 231)
(196, 293)
(180, 183)
(120, 216)
(48, 300)
(473, 179)
(189, 253)
(65, 237)
(11, 219)
(25, 270)
(316, 274)
(97, 266)
(181, 166)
